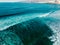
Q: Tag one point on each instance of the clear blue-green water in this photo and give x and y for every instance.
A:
(14, 13)
(29, 23)
(13, 8)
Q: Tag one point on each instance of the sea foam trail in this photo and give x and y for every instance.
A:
(18, 12)
(12, 20)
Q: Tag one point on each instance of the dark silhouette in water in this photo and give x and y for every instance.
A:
(32, 32)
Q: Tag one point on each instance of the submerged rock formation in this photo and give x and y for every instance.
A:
(31, 32)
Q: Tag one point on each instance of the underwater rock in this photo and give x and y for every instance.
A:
(33, 32)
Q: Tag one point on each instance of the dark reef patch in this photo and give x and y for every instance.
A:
(32, 32)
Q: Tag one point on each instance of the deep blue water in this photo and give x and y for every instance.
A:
(20, 8)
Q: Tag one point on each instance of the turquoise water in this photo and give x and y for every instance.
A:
(14, 13)
(17, 8)
(29, 23)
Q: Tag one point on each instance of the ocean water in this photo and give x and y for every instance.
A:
(30, 23)
(13, 8)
